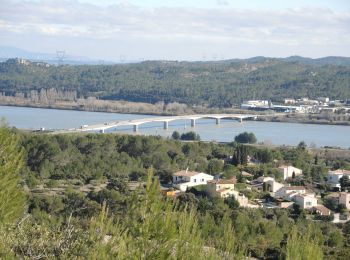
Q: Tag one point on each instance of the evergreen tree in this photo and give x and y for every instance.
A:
(175, 135)
(304, 245)
(12, 198)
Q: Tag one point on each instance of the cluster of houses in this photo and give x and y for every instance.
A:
(284, 195)
(215, 187)
(302, 105)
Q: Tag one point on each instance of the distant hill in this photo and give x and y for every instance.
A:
(331, 60)
(215, 84)
(50, 58)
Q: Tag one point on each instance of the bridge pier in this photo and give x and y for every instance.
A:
(193, 122)
(102, 131)
(217, 121)
(136, 128)
(240, 120)
(166, 125)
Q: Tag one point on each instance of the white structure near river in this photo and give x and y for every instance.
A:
(268, 132)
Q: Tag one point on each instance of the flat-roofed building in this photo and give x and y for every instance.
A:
(344, 199)
(333, 178)
(185, 179)
(289, 171)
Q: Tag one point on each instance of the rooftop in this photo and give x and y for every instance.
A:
(322, 209)
(295, 188)
(224, 190)
(185, 173)
(311, 195)
(286, 166)
(340, 171)
(247, 174)
(223, 181)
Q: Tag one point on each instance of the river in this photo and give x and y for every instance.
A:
(267, 132)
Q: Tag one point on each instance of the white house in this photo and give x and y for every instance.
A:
(222, 188)
(289, 101)
(273, 186)
(344, 199)
(289, 192)
(289, 171)
(299, 195)
(259, 182)
(305, 201)
(270, 184)
(184, 179)
(226, 188)
(333, 178)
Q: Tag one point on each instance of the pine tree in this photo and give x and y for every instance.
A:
(12, 198)
(304, 245)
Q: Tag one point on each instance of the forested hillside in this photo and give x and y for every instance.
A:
(216, 84)
(81, 204)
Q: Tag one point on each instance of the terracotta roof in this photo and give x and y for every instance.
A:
(223, 181)
(185, 173)
(322, 209)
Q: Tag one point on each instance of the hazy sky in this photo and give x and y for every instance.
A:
(178, 29)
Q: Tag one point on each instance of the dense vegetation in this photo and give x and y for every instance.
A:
(246, 138)
(80, 202)
(215, 84)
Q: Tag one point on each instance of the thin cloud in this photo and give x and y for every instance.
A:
(311, 26)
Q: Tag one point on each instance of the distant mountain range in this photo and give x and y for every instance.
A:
(62, 58)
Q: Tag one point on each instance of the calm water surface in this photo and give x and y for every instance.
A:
(274, 133)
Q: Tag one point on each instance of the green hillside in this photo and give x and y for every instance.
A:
(216, 84)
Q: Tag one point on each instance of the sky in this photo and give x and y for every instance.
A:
(134, 30)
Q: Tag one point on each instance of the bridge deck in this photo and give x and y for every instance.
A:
(164, 119)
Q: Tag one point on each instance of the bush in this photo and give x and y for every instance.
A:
(175, 135)
(190, 136)
(246, 138)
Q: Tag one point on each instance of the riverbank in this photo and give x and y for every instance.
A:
(171, 109)
(318, 119)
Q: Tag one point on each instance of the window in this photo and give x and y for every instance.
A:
(202, 180)
(308, 203)
(194, 180)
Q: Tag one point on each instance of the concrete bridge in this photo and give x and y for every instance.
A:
(164, 119)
